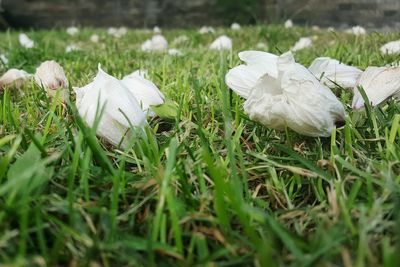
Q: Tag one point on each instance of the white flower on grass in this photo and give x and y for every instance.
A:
(357, 30)
(72, 30)
(331, 72)
(288, 24)
(14, 77)
(121, 110)
(206, 29)
(156, 43)
(117, 32)
(391, 48)
(4, 59)
(50, 75)
(287, 94)
(303, 42)
(235, 26)
(157, 30)
(25, 41)
(145, 91)
(379, 83)
(222, 43)
(94, 38)
(175, 52)
(72, 47)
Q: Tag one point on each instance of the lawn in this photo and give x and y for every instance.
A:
(208, 187)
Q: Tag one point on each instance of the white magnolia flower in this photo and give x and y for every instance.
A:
(379, 83)
(4, 59)
(14, 77)
(302, 43)
(288, 24)
(145, 91)
(287, 94)
(391, 48)
(72, 47)
(50, 75)
(94, 38)
(206, 29)
(357, 30)
(156, 43)
(235, 26)
(25, 41)
(222, 43)
(120, 108)
(72, 30)
(175, 52)
(157, 30)
(180, 40)
(331, 72)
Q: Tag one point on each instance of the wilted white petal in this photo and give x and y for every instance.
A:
(294, 98)
(391, 48)
(145, 91)
(156, 43)
(180, 40)
(235, 26)
(4, 59)
(206, 29)
(25, 41)
(357, 30)
(262, 46)
(157, 30)
(119, 105)
(50, 75)
(175, 52)
(330, 29)
(288, 24)
(302, 43)
(331, 72)
(222, 43)
(315, 28)
(379, 83)
(117, 32)
(94, 38)
(14, 77)
(72, 30)
(72, 47)
(243, 78)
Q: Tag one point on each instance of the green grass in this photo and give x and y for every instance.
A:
(210, 188)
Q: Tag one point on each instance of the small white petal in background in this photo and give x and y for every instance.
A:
(262, 46)
(180, 40)
(175, 52)
(156, 43)
(72, 30)
(379, 83)
(391, 48)
(14, 77)
(235, 26)
(303, 42)
(330, 29)
(288, 95)
(206, 29)
(288, 24)
(222, 43)
(156, 30)
(4, 59)
(120, 108)
(72, 47)
(117, 32)
(50, 75)
(357, 30)
(145, 91)
(94, 38)
(315, 28)
(25, 41)
(331, 72)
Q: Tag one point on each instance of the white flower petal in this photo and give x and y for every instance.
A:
(206, 29)
(288, 24)
(379, 83)
(235, 26)
(72, 47)
(94, 38)
(72, 30)
(14, 77)
(50, 75)
(302, 43)
(156, 43)
(175, 52)
(331, 72)
(357, 30)
(222, 43)
(25, 41)
(4, 59)
(391, 48)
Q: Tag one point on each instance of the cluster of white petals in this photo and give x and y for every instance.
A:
(282, 93)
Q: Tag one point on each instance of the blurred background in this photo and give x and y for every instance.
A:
(186, 13)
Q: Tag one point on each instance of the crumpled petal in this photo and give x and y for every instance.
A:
(50, 75)
(14, 77)
(235, 26)
(72, 30)
(288, 24)
(295, 99)
(243, 78)
(120, 107)
(379, 83)
(25, 41)
(357, 30)
(222, 43)
(206, 29)
(302, 43)
(175, 52)
(331, 72)
(391, 48)
(72, 47)
(156, 43)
